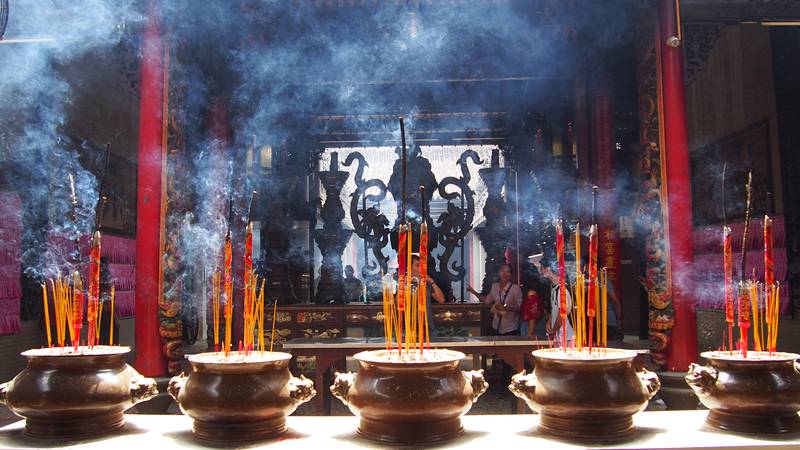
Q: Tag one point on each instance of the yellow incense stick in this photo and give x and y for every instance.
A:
(752, 293)
(46, 316)
(261, 317)
(97, 320)
(274, 314)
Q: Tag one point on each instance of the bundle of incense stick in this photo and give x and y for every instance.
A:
(77, 307)
(253, 314)
(62, 310)
(727, 264)
(761, 305)
(410, 303)
(587, 292)
(67, 301)
(771, 288)
(422, 290)
(405, 314)
(92, 309)
(228, 293)
(579, 290)
(402, 253)
(562, 282)
(744, 292)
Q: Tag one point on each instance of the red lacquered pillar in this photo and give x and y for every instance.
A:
(683, 342)
(150, 360)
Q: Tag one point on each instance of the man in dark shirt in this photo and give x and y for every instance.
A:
(353, 287)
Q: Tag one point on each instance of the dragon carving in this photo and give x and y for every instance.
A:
(456, 221)
(369, 223)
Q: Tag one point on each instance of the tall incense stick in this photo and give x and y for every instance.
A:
(744, 301)
(274, 315)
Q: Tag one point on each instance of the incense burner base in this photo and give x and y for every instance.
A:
(754, 424)
(418, 400)
(410, 433)
(587, 429)
(65, 393)
(74, 428)
(757, 394)
(586, 397)
(243, 397)
(239, 432)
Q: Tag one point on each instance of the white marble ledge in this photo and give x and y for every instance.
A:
(664, 430)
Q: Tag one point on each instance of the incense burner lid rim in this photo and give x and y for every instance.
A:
(610, 355)
(373, 357)
(266, 357)
(98, 351)
(736, 357)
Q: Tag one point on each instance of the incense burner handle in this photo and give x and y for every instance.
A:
(176, 383)
(301, 389)
(650, 382)
(523, 385)
(476, 379)
(701, 378)
(341, 385)
(142, 389)
(3, 392)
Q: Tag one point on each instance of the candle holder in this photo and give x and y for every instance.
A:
(586, 396)
(414, 399)
(757, 394)
(66, 393)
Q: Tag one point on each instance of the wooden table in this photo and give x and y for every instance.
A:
(329, 352)
(663, 430)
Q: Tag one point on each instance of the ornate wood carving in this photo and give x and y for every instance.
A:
(369, 223)
(698, 41)
(649, 213)
(456, 221)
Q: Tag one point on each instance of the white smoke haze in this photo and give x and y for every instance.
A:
(281, 63)
(36, 99)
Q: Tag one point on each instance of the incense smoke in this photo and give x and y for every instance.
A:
(36, 86)
(279, 64)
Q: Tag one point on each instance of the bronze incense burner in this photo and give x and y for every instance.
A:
(241, 397)
(757, 394)
(586, 397)
(409, 402)
(64, 394)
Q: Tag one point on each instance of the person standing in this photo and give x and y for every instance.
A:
(505, 297)
(554, 325)
(353, 287)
